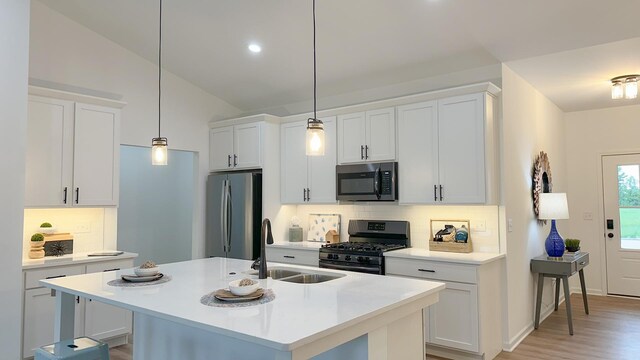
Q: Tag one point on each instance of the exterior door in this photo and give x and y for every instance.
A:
(621, 189)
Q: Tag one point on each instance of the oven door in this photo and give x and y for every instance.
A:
(366, 182)
(377, 270)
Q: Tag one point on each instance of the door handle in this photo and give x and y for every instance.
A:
(440, 192)
(308, 194)
(223, 216)
(361, 152)
(288, 256)
(376, 183)
(366, 151)
(229, 216)
(65, 195)
(235, 160)
(427, 270)
(229, 161)
(77, 194)
(610, 235)
(435, 192)
(304, 194)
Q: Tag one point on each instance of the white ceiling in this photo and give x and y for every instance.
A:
(567, 49)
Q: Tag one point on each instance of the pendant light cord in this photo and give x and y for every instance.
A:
(315, 117)
(160, 67)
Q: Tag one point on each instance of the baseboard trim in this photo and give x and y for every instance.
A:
(522, 334)
(447, 353)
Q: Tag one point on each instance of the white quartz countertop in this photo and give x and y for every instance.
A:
(301, 245)
(72, 259)
(299, 314)
(476, 258)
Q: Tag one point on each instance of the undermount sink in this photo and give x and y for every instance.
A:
(311, 278)
(276, 274)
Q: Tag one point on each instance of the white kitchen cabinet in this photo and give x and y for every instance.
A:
(235, 147)
(94, 319)
(367, 136)
(72, 154)
(465, 322)
(303, 256)
(442, 153)
(307, 179)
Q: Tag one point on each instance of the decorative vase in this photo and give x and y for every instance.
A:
(37, 250)
(554, 243)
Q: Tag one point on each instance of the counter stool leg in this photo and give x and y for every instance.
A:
(539, 299)
(567, 301)
(584, 291)
(557, 293)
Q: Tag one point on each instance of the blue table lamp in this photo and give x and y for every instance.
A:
(553, 206)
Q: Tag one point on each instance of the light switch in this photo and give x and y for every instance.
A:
(510, 225)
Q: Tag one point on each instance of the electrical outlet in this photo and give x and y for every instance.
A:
(82, 228)
(479, 225)
(587, 216)
(510, 225)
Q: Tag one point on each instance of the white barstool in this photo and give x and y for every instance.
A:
(82, 348)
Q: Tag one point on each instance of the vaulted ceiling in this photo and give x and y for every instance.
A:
(567, 49)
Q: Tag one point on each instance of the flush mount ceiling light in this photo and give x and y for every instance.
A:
(625, 86)
(254, 48)
(315, 127)
(159, 144)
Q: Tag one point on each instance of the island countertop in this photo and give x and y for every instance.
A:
(299, 314)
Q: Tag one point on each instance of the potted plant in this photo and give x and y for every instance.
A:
(37, 246)
(572, 245)
(47, 228)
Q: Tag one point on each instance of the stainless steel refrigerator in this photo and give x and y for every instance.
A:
(234, 214)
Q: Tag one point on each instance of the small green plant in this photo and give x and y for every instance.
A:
(37, 237)
(572, 244)
(45, 225)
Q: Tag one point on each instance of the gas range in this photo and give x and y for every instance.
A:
(368, 240)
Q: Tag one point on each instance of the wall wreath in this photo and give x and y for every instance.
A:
(541, 183)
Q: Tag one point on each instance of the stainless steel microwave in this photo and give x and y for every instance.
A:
(367, 182)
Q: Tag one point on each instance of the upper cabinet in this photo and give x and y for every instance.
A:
(72, 154)
(235, 147)
(446, 151)
(307, 179)
(367, 136)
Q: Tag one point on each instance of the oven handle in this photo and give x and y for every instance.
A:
(376, 183)
(370, 270)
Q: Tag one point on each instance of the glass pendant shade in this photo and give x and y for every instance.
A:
(159, 151)
(617, 91)
(631, 88)
(315, 138)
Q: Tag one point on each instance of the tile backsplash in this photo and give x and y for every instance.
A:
(419, 217)
(87, 225)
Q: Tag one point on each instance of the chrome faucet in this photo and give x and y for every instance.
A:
(262, 260)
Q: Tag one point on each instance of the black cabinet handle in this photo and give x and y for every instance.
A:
(77, 194)
(289, 256)
(308, 194)
(440, 192)
(235, 160)
(114, 269)
(78, 299)
(55, 277)
(229, 161)
(65, 195)
(427, 270)
(435, 192)
(361, 152)
(366, 151)
(304, 194)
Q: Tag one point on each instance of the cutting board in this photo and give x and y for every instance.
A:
(321, 224)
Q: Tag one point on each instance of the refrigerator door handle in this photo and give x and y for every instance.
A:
(223, 216)
(229, 217)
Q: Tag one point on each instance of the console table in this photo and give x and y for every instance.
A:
(560, 268)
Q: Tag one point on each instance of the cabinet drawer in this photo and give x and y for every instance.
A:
(33, 276)
(110, 266)
(432, 270)
(293, 256)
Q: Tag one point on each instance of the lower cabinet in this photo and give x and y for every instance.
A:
(308, 257)
(465, 323)
(94, 319)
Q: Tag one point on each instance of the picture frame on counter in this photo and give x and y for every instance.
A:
(450, 236)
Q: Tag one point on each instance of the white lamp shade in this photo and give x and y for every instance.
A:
(617, 91)
(631, 89)
(553, 206)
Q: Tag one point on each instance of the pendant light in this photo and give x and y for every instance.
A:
(315, 127)
(159, 144)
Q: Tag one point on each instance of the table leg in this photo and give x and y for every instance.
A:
(64, 317)
(539, 300)
(567, 301)
(557, 294)
(584, 291)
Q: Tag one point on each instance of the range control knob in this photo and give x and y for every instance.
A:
(360, 259)
(348, 257)
(367, 259)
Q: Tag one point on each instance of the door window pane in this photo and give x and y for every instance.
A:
(628, 188)
(629, 206)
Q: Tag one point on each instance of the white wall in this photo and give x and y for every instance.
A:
(590, 134)
(530, 123)
(70, 56)
(14, 40)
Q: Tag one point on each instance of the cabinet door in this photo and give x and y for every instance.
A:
(418, 153)
(49, 160)
(221, 148)
(462, 162)
(453, 320)
(39, 313)
(381, 135)
(96, 155)
(247, 145)
(351, 138)
(293, 182)
(322, 169)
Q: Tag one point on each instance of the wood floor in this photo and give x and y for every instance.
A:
(610, 331)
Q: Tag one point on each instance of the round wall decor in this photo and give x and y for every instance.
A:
(541, 181)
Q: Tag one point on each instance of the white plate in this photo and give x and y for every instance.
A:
(241, 298)
(135, 278)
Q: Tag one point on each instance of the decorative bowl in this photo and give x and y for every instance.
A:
(145, 271)
(47, 230)
(238, 290)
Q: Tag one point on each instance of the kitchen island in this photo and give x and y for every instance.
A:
(356, 316)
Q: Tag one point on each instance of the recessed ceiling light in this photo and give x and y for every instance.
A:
(255, 48)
